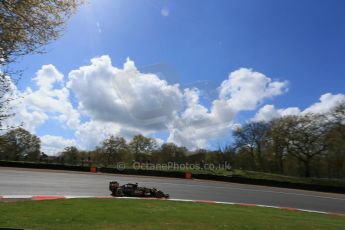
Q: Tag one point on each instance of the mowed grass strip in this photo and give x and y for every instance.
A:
(153, 214)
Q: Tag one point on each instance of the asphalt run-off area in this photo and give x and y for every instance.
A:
(33, 182)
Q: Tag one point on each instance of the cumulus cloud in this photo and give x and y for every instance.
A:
(125, 102)
(326, 103)
(124, 96)
(92, 133)
(47, 76)
(243, 90)
(49, 101)
(269, 112)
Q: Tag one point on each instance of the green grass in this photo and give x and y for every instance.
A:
(152, 214)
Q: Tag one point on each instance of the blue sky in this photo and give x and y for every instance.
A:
(198, 44)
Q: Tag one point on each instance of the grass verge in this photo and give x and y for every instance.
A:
(153, 214)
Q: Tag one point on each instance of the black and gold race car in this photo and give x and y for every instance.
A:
(135, 190)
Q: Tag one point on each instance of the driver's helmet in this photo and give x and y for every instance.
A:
(114, 184)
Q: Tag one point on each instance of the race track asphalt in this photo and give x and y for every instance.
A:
(15, 181)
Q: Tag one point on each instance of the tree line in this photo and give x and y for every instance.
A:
(304, 145)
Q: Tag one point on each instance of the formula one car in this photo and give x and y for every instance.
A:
(135, 190)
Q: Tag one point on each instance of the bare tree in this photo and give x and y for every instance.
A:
(278, 138)
(335, 139)
(307, 139)
(252, 137)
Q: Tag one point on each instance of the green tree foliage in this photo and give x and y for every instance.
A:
(115, 149)
(170, 152)
(216, 157)
(198, 156)
(229, 155)
(97, 156)
(142, 147)
(71, 155)
(25, 27)
(19, 144)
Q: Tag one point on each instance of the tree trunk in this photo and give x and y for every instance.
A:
(260, 161)
(281, 165)
(252, 154)
(307, 168)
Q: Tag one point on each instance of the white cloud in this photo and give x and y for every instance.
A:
(326, 103)
(124, 96)
(132, 102)
(92, 133)
(243, 90)
(54, 144)
(49, 101)
(125, 102)
(47, 76)
(269, 112)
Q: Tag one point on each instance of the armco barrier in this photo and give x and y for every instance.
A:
(173, 174)
(44, 166)
(264, 182)
(142, 172)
